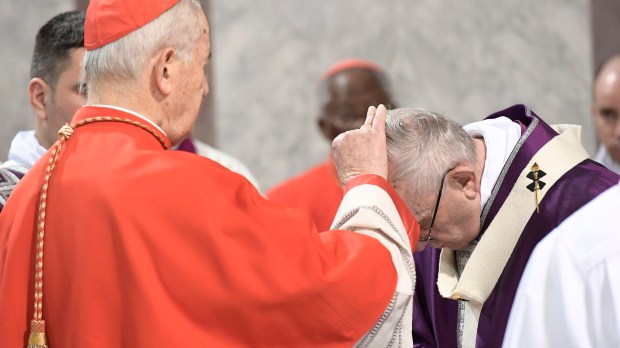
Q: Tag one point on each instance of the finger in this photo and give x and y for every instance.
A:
(378, 122)
(370, 115)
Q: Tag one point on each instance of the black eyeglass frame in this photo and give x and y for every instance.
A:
(430, 229)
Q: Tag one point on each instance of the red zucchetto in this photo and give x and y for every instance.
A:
(110, 20)
(350, 64)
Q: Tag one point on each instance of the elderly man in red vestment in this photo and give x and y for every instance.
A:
(111, 240)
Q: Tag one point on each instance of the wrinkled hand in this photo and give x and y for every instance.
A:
(362, 151)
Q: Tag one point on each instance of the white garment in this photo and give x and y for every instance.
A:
(569, 295)
(225, 160)
(24, 152)
(360, 206)
(500, 137)
(603, 157)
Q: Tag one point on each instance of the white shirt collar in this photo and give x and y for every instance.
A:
(130, 112)
(500, 137)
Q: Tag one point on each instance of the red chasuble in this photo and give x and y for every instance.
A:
(146, 247)
(316, 191)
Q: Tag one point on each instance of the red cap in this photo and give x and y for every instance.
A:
(348, 64)
(110, 20)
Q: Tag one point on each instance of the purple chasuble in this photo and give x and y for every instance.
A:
(187, 145)
(435, 317)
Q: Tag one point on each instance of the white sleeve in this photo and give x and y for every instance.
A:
(369, 210)
(550, 300)
(567, 297)
(603, 302)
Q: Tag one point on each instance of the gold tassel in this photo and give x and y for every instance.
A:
(37, 337)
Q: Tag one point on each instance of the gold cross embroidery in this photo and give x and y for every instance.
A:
(537, 184)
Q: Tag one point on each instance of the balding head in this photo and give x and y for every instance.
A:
(606, 107)
(347, 90)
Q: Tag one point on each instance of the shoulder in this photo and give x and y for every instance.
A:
(590, 176)
(589, 235)
(224, 159)
(191, 165)
(307, 181)
(173, 173)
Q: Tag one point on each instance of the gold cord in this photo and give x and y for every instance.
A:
(37, 338)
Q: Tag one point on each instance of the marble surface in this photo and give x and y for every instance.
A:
(465, 59)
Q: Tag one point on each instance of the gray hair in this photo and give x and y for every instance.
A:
(422, 146)
(125, 58)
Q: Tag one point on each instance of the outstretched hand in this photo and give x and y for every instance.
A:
(362, 151)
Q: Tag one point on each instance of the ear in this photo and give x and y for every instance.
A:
(328, 129)
(38, 90)
(468, 183)
(324, 126)
(163, 70)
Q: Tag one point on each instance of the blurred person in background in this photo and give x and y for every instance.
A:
(606, 113)
(54, 91)
(346, 90)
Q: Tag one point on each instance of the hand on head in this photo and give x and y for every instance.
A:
(362, 151)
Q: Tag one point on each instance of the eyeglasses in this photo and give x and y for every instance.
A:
(430, 229)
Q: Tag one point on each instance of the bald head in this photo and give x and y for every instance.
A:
(606, 107)
(347, 94)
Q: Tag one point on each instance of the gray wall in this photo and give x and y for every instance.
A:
(462, 58)
(465, 59)
(605, 30)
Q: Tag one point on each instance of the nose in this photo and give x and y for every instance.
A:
(205, 88)
(617, 129)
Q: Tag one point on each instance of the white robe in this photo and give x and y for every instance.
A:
(24, 152)
(569, 295)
